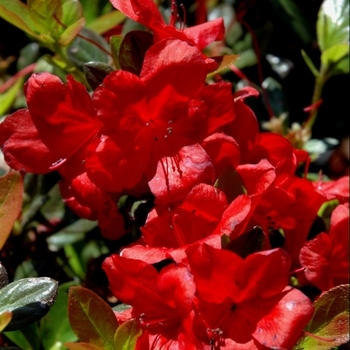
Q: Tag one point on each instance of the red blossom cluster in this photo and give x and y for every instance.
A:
(216, 180)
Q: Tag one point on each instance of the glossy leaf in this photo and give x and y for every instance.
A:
(329, 326)
(133, 49)
(126, 335)
(333, 23)
(11, 194)
(91, 318)
(28, 299)
(3, 276)
(89, 47)
(55, 325)
(16, 13)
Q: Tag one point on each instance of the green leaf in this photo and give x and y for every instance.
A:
(126, 335)
(95, 72)
(82, 346)
(89, 46)
(106, 22)
(26, 338)
(291, 15)
(71, 32)
(334, 54)
(28, 299)
(247, 243)
(116, 41)
(42, 13)
(3, 276)
(231, 184)
(329, 326)
(8, 97)
(133, 49)
(310, 64)
(11, 195)
(16, 13)
(224, 63)
(91, 318)
(333, 23)
(55, 325)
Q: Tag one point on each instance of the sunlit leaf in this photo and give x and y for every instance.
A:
(224, 63)
(8, 97)
(28, 299)
(11, 194)
(5, 319)
(126, 335)
(106, 22)
(71, 32)
(16, 13)
(329, 326)
(333, 23)
(91, 318)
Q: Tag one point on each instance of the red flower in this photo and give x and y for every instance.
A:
(153, 116)
(147, 13)
(326, 257)
(59, 121)
(248, 299)
(163, 303)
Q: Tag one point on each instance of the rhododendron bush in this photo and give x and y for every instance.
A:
(141, 177)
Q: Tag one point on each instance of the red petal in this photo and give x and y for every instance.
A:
(22, 146)
(63, 115)
(176, 176)
(315, 257)
(283, 326)
(204, 34)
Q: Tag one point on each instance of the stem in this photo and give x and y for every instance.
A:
(316, 97)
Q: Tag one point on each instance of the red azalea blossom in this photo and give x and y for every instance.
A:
(326, 257)
(249, 299)
(147, 13)
(163, 303)
(157, 114)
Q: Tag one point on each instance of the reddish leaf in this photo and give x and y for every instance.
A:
(329, 326)
(11, 194)
(91, 318)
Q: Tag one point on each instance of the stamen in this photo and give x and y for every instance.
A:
(173, 16)
(184, 17)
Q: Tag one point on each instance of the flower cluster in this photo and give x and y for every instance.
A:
(207, 272)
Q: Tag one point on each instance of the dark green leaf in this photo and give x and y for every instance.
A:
(55, 325)
(3, 276)
(28, 299)
(95, 72)
(91, 318)
(26, 338)
(88, 47)
(133, 49)
(247, 243)
(230, 183)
